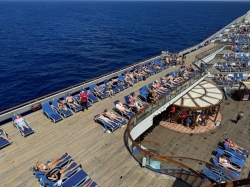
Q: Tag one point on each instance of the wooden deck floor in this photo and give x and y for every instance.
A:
(103, 156)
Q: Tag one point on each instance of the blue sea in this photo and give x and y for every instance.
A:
(49, 45)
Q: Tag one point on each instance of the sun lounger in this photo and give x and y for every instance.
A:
(213, 177)
(122, 80)
(75, 108)
(100, 95)
(119, 119)
(64, 113)
(233, 172)
(231, 157)
(3, 142)
(127, 114)
(143, 94)
(114, 88)
(234, 152)
(51, 114)
(72, 181)
(26, 132)
(107, 126)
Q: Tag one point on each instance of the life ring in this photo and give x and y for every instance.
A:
(207, 43)
(36, 106)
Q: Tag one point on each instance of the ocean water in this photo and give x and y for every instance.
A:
(47, 46)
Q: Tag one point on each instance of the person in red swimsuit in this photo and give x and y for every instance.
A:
(84, 98)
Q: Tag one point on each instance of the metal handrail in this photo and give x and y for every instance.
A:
(208, 52)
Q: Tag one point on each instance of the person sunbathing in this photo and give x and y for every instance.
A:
(133, 103)
(47, 167)
(157, 85)
(58, 176)
(139, 101)
(108, 90)
(112, 115)
(226, 163)
(152, 97)
(97, 90)
(120, 107)
(128, 80)
(146, 69)
(107, 120)
(190, 68)
(71, 101)
(61, 106)
(167, 60)
(165, 83)
(234, 146)
(20, 122)
(4, 135)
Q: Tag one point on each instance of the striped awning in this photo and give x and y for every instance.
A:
(204, 95)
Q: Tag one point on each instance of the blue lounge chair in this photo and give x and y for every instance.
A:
(64, 113)
(75, 179)
(213, 177)
(3, 142)
(122, 80)
(26, 132)
(114, 88)
(241, 76)
(100, 95)
(233, 172)
(225, 175)
(127, 114)
(91, 97)
(57, 169)
(74, 108)
(234, 152)
(143, 94)
(230, 156)
(107, 126)
(119, 120)
(47, 110)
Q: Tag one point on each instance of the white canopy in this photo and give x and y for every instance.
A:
(204, 95)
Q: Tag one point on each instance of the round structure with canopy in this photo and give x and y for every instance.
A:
(203, 97)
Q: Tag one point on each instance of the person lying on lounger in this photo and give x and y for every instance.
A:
(97, 90)
(4, 135)
(226, 163)
(20, 122)
(120, 107)
(62, 173)
(108, 89)
(61, 106)
(128, 80)
(234, 146)
(71, 101)
(47, 167)
(107, 120)
(112, 115)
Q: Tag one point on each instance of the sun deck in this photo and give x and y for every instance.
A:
(103, 156)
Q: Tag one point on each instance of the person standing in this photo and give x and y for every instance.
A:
(171, 113)
(84, 99)
(239, 116)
